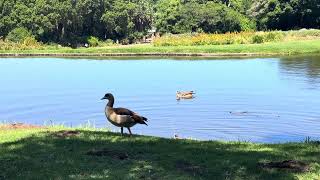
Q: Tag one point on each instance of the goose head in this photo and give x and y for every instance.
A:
(108, 96)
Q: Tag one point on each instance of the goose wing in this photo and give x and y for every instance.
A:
(123, 111)
(137, 118)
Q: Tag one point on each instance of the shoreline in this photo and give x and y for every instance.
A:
(290, 48)
(28, 126)
(143, 54)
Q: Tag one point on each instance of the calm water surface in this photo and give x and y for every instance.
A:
(270, 99)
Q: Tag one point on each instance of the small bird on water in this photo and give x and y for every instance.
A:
(121, 117)
(185, 95)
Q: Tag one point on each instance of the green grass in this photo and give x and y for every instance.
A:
(290, 47)
(37, 154)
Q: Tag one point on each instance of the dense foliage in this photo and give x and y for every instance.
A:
(76, 21)
(176, 17)
(18, 35)
(286, 14)
(71, 21)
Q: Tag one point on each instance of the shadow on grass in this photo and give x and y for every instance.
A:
(45, 155)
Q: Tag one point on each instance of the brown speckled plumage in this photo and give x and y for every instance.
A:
(121, 117)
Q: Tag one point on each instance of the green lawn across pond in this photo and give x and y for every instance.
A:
(290, 47)
(95, 154)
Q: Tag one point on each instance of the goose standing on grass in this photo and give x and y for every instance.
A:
(121, 117)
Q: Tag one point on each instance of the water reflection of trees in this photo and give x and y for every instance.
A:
(308, 67)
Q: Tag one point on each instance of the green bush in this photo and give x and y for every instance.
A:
(247, 24)
(27, 44)
(257, 39)
(274, 36)
(125, 41)
(31, 42)
(18, 35)
(108, 42)
(93, 41)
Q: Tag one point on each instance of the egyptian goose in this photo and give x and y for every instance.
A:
(121, 117)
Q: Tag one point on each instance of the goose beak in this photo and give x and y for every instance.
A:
(103, 98)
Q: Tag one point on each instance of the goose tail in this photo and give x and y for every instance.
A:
(140, 119)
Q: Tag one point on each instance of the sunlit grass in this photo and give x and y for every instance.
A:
(257, 43)
(250, 37)
(291, 47)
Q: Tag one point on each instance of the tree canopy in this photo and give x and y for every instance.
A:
(285, 15)
(71, 21)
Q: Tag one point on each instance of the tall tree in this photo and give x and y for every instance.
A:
(285, 15)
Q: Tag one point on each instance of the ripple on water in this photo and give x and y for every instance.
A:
(270, 100)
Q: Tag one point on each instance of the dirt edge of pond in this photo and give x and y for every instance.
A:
(66, 133)
(138, 54)
(291, 165)
(19, 126)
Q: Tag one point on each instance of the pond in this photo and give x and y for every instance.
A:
(266, 100)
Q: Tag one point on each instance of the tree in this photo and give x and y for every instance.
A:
(192, 16)
(70, 22)
(285, 15)
(127, 19)
(166, 15)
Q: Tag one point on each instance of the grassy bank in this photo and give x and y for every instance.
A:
(42, 153)
(292, 47)
(196, 44)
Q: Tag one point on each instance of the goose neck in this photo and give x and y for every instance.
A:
(110, 102)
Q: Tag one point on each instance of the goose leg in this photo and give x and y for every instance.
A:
(130, 131)
(121, 131)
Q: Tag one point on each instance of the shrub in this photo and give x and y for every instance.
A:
(93, 41)
(257, 39)
(125, 41)
(274, 36)
(18, 35)
(31, 41)
(28, 43)
(247, 25)
(108, 42)
(135, 37)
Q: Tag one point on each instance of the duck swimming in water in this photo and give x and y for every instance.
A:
(121, 117)
(185, 95)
